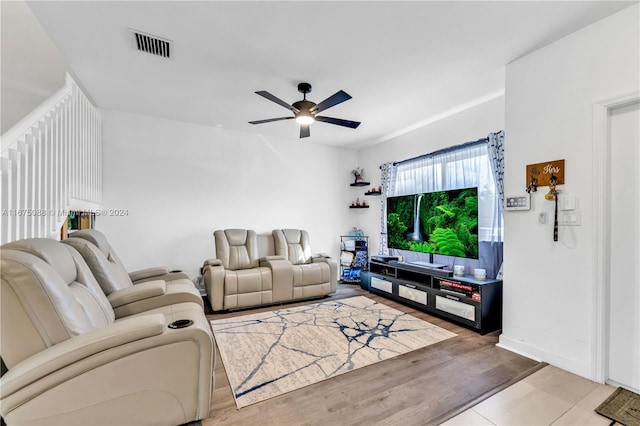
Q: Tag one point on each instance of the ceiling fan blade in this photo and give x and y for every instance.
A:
(304, 131)
(332, 100)
(338, 121)
(279, 101)
(269, 120)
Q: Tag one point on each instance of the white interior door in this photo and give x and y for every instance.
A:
(624, 282)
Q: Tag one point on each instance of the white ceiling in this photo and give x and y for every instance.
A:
(403, 62)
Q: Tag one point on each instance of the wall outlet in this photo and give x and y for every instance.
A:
(569, 218)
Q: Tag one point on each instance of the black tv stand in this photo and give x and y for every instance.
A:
(463, 300)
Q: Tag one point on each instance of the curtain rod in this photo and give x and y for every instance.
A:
(443, 150)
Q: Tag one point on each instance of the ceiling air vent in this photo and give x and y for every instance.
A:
(151, 44)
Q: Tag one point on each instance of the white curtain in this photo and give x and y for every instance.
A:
(462, 166)
(388, 173)
(495, 147)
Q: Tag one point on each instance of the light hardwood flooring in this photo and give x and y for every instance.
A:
(465, 380)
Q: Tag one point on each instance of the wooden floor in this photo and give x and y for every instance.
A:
(426, 386)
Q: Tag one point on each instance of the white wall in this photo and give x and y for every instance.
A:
(32, 67)
(548, 286)
(469, 125)
(179, 182)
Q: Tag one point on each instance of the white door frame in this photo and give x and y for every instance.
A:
(601, 183)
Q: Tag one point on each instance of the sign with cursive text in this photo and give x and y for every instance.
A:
(543, 171)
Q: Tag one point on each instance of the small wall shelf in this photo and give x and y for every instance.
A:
(359, 207)
(373, 193)
(360, 184)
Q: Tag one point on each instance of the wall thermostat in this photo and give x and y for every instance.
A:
(517, 202)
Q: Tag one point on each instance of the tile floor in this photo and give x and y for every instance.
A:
(550, 396)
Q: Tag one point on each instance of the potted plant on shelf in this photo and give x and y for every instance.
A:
(357, 174)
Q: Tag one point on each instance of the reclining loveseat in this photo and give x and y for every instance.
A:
(98, 239)
(71, 361)
(159, 287)
(253, 270)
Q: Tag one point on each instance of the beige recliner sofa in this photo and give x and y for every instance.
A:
(71, 362)
(253, 270)
(98, 239)
(125, 296)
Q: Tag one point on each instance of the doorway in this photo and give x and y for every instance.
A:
(623, 334)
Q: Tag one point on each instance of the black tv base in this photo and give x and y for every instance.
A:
(428, 264)
(422, 267)
(463, 300)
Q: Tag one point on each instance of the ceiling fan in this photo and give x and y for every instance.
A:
(305, 112)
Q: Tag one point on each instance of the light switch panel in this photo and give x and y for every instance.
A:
(570, 218)
(517, 202)
(567, 202)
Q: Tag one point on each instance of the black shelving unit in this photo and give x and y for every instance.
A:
(354, 258)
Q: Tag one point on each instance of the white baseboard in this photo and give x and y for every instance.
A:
(542, 355)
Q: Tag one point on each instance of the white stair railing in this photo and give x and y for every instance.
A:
(50, 163)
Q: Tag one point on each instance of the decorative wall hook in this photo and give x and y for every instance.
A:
(533, 186)
(543, 171)
(552, 194)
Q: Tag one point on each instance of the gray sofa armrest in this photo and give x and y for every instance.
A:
(333, 268)
(147, 273)
(150, 295)
(137, 292)
(157, 273)
(213, 274)
(282, 276)
(320, 255)
(212, 262)
(270, 258)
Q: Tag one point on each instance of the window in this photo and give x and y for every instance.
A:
(462, 166)
(459, 167)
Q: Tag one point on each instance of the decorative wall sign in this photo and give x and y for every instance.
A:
(543, 171)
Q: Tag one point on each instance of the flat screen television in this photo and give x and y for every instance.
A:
(441, 222)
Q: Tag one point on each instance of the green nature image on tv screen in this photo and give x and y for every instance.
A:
(441, 222)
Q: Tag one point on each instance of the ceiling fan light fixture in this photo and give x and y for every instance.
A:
(304, 118)
(305, 112)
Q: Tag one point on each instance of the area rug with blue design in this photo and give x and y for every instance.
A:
(270, 353)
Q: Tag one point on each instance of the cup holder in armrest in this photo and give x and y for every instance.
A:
(175, 271)
(181, 323)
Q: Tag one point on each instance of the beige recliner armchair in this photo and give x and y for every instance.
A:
(98, 239)
(70, 362)
(238, 278)
(125, 297)
(313, 275)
